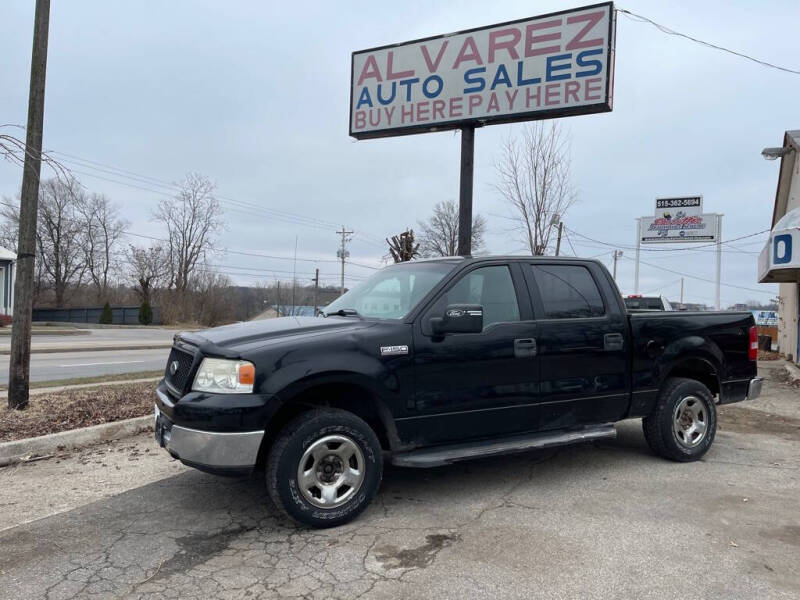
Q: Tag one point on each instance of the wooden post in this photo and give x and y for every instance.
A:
(465, 190)
(19, 363)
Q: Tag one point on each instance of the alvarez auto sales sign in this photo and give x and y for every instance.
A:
(679, 219)
(548, 66)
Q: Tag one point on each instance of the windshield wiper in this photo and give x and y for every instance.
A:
(344, 312)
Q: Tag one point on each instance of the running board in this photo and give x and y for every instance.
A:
(443, 455)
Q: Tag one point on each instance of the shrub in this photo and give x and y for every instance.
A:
(145, 314)
(106, 317)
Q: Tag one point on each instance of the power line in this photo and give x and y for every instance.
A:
(664, 29)
(730, 285)
(694, 249)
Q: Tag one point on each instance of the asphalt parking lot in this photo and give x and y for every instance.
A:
(606, 520)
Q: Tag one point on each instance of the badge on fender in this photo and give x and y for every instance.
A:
(393, 350)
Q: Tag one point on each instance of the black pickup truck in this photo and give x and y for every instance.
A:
(430, 362)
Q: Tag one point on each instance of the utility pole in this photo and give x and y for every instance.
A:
(465, 190)
(316, 288)
(294, 277)
(681, 293)
(20, 359)
(617, 255)
(342, 253)
(558, 239)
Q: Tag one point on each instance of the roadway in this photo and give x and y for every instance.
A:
(67, 365)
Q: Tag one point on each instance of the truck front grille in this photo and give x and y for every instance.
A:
(179, 369)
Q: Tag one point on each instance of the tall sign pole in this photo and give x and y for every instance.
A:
(19, 364)
(465, 190)
(719, 261)
(638, 252)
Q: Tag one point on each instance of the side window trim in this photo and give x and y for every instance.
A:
(538, 303)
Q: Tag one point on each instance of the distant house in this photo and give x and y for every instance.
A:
(7, 272)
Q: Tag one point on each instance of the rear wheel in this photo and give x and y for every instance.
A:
(683, 424)
(324, 468)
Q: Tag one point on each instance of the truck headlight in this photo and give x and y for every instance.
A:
(222, 376)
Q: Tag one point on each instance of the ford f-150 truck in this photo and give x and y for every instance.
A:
(430, 362)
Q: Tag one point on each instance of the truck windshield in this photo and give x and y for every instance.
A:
(391, 293)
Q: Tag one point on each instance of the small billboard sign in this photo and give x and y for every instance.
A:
(687, 205)
(553, 65)
(678, 227)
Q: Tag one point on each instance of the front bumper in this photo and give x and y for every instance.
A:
(212, 451)
(754, 388)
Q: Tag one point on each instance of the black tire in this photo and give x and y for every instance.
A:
(283, 462)
(659, 426)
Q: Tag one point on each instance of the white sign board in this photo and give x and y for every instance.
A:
(779, 260)
(678, 228)
(553, 65)
(686, 205)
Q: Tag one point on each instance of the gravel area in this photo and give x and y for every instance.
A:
(62, 411)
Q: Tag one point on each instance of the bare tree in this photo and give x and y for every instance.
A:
(103, 229)
(193, 220)
(439, 235)
(402, 247)
(148, 270)
(60, 235)
(533, 177)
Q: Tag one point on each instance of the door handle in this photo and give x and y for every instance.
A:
(613, 341)
(524, 347)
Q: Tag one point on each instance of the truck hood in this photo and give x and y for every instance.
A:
(231, 340)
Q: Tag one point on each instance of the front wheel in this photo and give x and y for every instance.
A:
(683, 423)
(324, 468)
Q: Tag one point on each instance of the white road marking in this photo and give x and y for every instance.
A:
(119, 362)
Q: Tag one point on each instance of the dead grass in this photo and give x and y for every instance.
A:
(63, 411)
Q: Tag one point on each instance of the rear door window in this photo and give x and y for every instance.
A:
(568, 292)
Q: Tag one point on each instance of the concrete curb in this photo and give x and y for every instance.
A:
(792, 370)
(79, 386)
(55, 349)
(24, 450)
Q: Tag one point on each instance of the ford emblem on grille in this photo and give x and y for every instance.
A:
(173, 367)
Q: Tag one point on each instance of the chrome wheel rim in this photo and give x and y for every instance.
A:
(331, 471)
(690, 422)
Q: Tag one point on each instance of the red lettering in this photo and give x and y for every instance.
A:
(494, 104)
(571, 88)
(578, 42)
(389, 113)
(511, 98)
(422, 111)
(551, 94)
(469, 51)
(533, 94)
(455, 106)
(370, 70)
(438, 109)
(407, 111)
(391, 74)
(495, 43)
(474, 102)
(589, 88)
(377, 120)
(361, 119)
(433, 66)
(531, 39)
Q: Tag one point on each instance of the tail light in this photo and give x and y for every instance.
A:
(752, 352)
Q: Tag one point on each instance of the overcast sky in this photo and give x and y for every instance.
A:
(255, 96)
